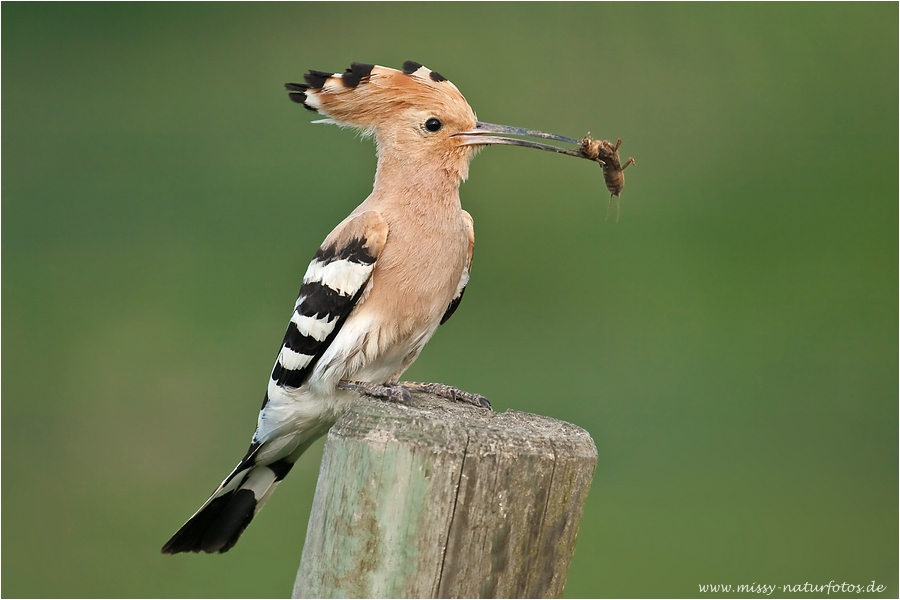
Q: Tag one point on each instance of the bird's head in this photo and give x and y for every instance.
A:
(413, 114)
(418, 118)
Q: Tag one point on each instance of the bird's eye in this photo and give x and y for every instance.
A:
(433, 125)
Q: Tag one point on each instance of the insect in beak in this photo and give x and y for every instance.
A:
(613, 170)
(600, 151)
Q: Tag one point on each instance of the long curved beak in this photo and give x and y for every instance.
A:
(482, 136)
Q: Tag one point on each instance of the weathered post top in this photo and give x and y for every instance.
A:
(445, 500)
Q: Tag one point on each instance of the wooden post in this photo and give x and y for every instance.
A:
(440, 500)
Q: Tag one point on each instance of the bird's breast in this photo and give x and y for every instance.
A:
(418, 272)
(416, 276)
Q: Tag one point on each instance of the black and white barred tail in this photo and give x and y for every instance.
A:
(219, 523)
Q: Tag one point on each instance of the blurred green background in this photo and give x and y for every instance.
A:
(731, 343)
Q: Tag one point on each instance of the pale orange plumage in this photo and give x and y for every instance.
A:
(380, 284)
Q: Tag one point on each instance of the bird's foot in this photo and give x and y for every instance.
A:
(391, 393)
(401, 393)
(450, 393)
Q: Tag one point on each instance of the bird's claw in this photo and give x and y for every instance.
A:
(401, 393)
(390, 393)
(448, 392)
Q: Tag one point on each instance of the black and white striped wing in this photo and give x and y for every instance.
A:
(333, 284)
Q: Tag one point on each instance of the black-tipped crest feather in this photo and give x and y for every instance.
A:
(317, 79)
(298, 97)
(411, 66)
(356, 73)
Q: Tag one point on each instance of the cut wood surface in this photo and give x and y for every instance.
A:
(445, 500)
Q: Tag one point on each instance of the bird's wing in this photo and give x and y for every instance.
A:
(334, 283)
(464, 278)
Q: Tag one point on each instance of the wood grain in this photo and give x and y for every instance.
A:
(445, 500)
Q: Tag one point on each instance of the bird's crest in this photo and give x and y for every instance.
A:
(366, 96)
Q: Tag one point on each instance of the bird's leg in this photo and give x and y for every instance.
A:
(391, 393)
(450, 393)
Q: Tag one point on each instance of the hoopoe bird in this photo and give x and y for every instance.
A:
(378, 287)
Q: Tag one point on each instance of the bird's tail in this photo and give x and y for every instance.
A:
(219, 523)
